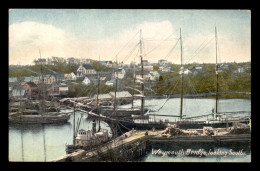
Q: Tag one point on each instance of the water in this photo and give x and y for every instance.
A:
(47, 142)
(33, 139)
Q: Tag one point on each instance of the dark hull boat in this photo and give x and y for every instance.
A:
(121, 113)
(145, 124)
(51, 117)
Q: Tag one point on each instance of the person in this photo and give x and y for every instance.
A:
(153, 129)
(212, 110)
(146, 132)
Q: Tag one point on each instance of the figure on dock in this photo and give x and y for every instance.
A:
(146, 132)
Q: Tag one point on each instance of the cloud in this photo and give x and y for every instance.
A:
(26, 38)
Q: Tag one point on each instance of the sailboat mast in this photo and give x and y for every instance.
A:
(133, 87)
(216, 110)
(181, 78)
(142, 70)
(42, 88)
(74, 124)
(116, 75)
(98, 108)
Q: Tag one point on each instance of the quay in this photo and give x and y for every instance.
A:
(134, 144)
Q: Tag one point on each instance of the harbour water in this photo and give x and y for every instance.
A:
(47, 142)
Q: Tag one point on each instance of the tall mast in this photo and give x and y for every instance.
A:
(216, 38)
(142, 70)
(133, 87)
(181, 78)
(116, 75)
(42, 88)
(74, 124)
(98, 108)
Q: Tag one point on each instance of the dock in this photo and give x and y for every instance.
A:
(133, 145)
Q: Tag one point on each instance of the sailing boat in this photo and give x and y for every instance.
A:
(141, 121)
(86, 139)
(43, 114)
(144, 122)
(116, 112)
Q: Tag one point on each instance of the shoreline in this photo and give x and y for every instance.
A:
(199, 97)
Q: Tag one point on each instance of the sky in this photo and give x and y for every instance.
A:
(114, 34)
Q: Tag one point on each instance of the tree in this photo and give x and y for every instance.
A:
(160, 78)
(155, 67)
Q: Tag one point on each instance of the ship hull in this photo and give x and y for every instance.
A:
(121, 113)
(126, 126)
(39, 119)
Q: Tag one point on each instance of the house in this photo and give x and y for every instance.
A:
(162, 62)
(40, 61)
(85, 69)
(105, 99)
(154, 75)
(54, 89)
(73, 61)
(223, 67)
(145, 62)
(15, 93)
(120, 73)
(103, 79)
(145, 77)
(58, 77)
(60, 90)
(71, 76)
(122, 97)
(49, 79)
(185, 71)
(31, 90)
(148, 67)
(239, 70)
(110, 82)
(86, 81)
(12, 81)
(195, 69)
(63, 91)
(107, 63)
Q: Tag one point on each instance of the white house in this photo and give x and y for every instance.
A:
(120, 73)
(147, 67)
(110, 82)
(64, 90)
(139, 77)
(154, 75)
(185, 71)
(49, 79)
(71, 76)
(86, 81)
(85, 69)
(165, 69)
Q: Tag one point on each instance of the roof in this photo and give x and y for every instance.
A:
(103, 96)
(55, 85)
(16, 92)
(31, 84)
(87, 66)
(105, 62)
(111, 81)
(12, 79)
(120, 94)
(63, 89)
(57, 75)
(63, 84)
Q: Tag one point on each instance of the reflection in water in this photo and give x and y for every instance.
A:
(40, 142)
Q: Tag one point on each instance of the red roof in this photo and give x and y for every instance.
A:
(31, 84)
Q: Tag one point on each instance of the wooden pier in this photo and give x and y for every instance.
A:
(133, 145)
